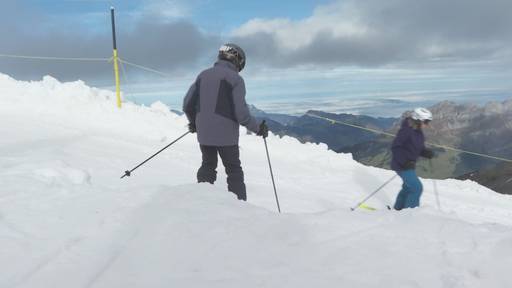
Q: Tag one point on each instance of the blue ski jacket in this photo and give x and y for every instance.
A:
(408, 145)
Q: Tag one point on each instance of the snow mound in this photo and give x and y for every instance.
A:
(69, 221)
(62, 173)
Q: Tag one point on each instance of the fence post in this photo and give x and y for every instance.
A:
(115, 58)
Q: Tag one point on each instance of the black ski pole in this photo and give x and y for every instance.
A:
(129, 172)
(374, 192)
(272, 175)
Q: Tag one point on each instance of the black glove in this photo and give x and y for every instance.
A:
(427, 153)
(263, 130)
(192, 127)
(409, 165)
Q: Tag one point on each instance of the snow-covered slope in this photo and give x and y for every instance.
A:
(67, 220)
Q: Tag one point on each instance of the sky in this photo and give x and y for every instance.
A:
(341, 55)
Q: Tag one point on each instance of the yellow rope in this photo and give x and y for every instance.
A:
(85, 59)
(53, 58)
(392, 135)
(469, 152)
(145, 68)
(351, 125)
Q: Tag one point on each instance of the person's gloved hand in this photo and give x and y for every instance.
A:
(192, 128)
(263, 130)
(427, 153)
(409, 165)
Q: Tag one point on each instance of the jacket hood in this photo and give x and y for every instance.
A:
(226, 63)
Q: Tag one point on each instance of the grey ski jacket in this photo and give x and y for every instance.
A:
(215, 103)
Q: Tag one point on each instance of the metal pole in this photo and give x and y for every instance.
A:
(115, 58)
(374, 192)
(129, 172)
(435, 186)
(272, 175)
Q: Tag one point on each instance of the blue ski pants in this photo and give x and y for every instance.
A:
(409, 196)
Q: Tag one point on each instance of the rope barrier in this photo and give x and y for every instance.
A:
(125, 78)
(54, 58)
(85, 59)
(351, 125)
(145, 68)
(393, 135)
(469, 152)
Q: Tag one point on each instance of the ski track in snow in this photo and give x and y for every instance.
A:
(119, 250)
(45, 261)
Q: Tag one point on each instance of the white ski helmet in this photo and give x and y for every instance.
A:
(234, 54)
(421, 114)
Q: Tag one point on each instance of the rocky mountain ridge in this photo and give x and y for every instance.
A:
(483, 129)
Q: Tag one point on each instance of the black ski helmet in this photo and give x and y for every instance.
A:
(234, 54)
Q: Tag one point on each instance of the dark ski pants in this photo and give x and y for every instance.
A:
(409, 196)
(230, 156)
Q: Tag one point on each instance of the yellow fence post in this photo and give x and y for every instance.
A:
(115, 59)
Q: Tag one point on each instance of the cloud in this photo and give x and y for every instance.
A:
(160, 34)
(375, 32)
(149, 38)
(166, 8)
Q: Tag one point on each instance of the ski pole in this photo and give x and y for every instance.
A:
(435, 186)
(271, 174)
(374, 192)
(129, 172)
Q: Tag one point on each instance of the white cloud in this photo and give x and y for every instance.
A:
(375, 32)
(339, 19)
(167, 8)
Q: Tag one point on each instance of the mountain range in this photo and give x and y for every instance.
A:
(486, 130)
(311, 129)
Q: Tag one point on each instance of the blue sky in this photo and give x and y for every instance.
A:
(239, 9)
(336, 55)
(204, 13)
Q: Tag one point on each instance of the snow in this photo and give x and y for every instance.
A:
(68, 220)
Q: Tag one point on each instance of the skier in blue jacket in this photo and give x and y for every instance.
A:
(407, 147)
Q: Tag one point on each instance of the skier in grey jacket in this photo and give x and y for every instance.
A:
(215, 107)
